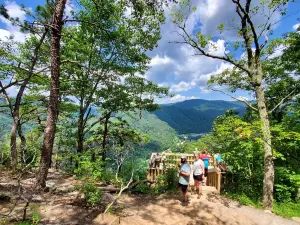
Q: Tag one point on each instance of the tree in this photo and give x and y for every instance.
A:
(24, 65)
(116, 31)
(104, 54)
(53, 106)
(246, 73)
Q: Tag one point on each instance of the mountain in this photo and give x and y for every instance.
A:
(164, 127)
(161, 135)
(197, 115)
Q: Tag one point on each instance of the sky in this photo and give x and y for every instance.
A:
(174, 65)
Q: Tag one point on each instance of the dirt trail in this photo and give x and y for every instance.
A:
(211, 209)
(64, 205)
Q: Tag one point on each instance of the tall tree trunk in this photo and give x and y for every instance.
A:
(52, 112)
(16, 108)
(13, 141)
(267, 146)
(80, 131)
(105, 132)
(23, 143)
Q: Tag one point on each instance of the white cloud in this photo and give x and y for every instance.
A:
(277, 52)
(4, 34)
(182, 86)
(203, 79)
(296, 26)
(242, 98)
(158, 61)
(12, 91)
(176, 98)
(14, 11)
(69, 8)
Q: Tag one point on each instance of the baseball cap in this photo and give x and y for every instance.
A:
(183, 156)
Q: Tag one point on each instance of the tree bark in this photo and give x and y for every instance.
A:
(80, 131)
(52, 112)
(23, 143)
(267, 146)
(105, 132)
(16, 108)
(13, 141)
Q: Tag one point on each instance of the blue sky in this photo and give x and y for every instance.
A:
(173, 65)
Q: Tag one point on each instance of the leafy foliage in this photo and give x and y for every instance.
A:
(92, 193)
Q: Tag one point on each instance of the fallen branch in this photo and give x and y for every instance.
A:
(120, 193)
(131, 186)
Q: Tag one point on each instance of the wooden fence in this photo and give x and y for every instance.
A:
(172, 161)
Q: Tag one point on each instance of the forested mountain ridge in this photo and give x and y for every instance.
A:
(197, 115)
(190, 116)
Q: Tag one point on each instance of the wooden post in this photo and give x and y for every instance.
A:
(219, 181)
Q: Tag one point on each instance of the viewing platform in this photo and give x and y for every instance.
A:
(172, 160)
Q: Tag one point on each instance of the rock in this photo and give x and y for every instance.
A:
(29, 181)
(267, 211)
(297, 219)
(51, 185)
(37, 198)
(75, 194)
(64, 189)
(107, 198)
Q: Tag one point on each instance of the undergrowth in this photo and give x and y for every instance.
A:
(285, 209)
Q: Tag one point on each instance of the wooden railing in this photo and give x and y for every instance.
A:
(172, 161)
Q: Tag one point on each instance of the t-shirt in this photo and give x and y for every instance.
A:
(219, 158)
(185, 180)
(197, 169)
(157, 157)
(205, 159)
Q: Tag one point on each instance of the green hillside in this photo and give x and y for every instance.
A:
(161, 135)
(195, 116)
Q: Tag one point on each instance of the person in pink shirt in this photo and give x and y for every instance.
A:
(205, 158)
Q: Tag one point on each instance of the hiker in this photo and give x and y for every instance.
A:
(198, 173)
(152, 161)
(184, 177)
(218, 159)
(157, 159)
(205, 158)
(164, 160)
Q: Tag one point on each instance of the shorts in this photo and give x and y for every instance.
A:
(183, 187)
(198, 177)
(205, 172)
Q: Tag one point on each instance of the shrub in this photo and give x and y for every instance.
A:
(87, 168)
(167, 182)
(92, 193)
(282, 193)
(143, 188)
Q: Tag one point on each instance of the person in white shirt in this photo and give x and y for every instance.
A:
(198, 173)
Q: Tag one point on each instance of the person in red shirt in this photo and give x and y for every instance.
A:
(205, 158)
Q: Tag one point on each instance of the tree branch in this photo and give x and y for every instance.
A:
(194, 44)
(120, 192)
(249, 21)
(283, 99)
(238, 99)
